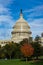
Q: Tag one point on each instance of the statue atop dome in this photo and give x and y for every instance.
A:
(21, 11)
(21, 15)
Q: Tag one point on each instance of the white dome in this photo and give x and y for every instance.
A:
(21, 30)
(21, 25)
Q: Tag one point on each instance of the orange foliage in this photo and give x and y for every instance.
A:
(27, 50)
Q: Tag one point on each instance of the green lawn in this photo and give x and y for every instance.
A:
(18, 62)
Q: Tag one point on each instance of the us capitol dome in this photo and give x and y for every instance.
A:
(21, 30)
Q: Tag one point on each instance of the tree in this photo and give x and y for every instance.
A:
(30, 40)
(10, 48)
(2, 53)
(17, 51)
(0, 46)
(37, 46)
(41, 50)
(27, 50)
(37, 39)
(36, 49)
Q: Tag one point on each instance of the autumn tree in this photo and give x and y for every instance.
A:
(27, 50)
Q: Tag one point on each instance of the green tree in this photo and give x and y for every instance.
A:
(37, 45)
(24, 41)
(37, 39)
(30, 40)
(2, 53)
(17, 51)
(41, 50)
(10, 48)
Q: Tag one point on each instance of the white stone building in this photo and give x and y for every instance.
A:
(21, 30)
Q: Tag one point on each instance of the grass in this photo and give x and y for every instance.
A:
(18, 62)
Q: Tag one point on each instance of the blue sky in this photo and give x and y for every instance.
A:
(10, 12)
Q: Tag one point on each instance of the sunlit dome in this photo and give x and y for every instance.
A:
(21, 25)
(21, 29)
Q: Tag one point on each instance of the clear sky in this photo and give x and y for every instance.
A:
(10, 12)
